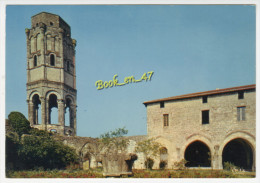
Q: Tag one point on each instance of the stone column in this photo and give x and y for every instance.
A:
(30, 111)
(47, 112)
(36, 114)
(71, 118)
(43, 113)
(50, 115)
(73, 123)
(61, 109)
(216, 158)
(254, 163)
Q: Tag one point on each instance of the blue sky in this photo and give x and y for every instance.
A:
(190, 48)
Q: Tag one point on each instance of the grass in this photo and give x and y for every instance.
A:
(136, 174)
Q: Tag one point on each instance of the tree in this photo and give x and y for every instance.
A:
(11, 156)
(34, 148)
(150, 148)
(19, 123)
(114, 139)
(113, 153)
(43, 151)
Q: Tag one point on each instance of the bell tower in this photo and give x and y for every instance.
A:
(51, 75)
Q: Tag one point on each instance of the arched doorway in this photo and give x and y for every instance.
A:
(239, 153)
(198, 155)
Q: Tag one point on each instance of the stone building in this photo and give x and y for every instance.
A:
(206, 128)
(51, 76)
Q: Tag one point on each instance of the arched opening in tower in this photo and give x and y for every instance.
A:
(36, 109)
(198, 155)
(239, 153)
(68, 113)
(53, 109)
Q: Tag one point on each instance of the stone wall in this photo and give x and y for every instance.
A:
(185, 124)
(87, 148)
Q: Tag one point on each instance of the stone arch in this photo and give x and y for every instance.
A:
(196, 137)
(71, 98)
(36, 110)
(53, 92)
(241, 142)
(199, 143)
(33, 107)
(29, 97)
(197, 154)
(52, 107)
(69, 111)
(88, 155)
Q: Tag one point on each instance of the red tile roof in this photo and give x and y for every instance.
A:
(205, 93)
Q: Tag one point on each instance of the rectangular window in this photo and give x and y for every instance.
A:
(205, 99)
(241, 95)
(165, 120)
(205, 117)
(241, 113)
(161, 104)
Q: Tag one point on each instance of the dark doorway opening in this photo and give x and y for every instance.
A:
(198, 155)
(239, 153)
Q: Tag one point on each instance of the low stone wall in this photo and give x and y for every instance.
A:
(87, 149)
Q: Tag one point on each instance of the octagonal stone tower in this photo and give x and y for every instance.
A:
(51, 76)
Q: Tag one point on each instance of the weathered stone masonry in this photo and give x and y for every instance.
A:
(206, 128)
(51, 75)
(220, 122)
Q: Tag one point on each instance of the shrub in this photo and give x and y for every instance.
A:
(11, 153)
(44, 151)
(114, 140)
(19, 123)
(230, 167)
(149, 163)
(34, 148)
(150, 148)
(180, 165)
(163, 165)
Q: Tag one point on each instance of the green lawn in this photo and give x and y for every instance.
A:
(136, 174)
